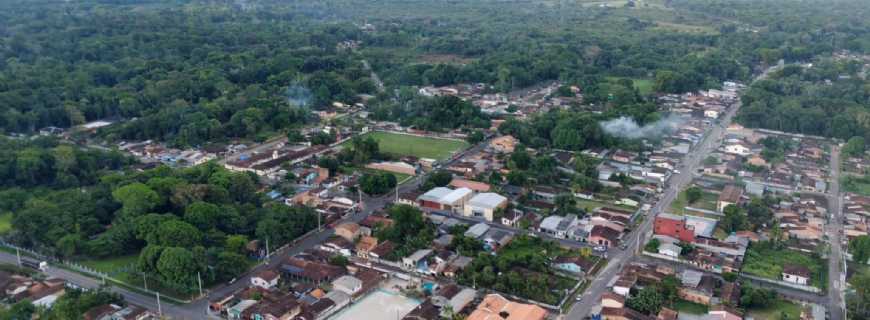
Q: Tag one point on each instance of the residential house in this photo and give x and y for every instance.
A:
(604, 236)
(623, 314)
(266, 279)
(738, 148)
(417, 260)
(496, 307)
(470, 184)
(730, 195)
(609, 299)
(365, 245)
(796, 274)
(349, 231)
(504, 144)
(347, 284)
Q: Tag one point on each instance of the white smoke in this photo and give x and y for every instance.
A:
(298, 95)
(626, 127)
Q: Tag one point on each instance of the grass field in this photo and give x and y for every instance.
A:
(590, 205)
(5, 222)
(400, 178)
(110, 264)
(684, 306)
(644, 86)
(708, 201)
(408, 145)
(774, 312)
(859, 185)
(764, 261)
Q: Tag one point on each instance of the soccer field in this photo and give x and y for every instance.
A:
(408, 145)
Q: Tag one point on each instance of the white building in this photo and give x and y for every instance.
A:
(484, 205)
(347, 284)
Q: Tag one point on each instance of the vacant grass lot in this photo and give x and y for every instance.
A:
(765, 261)
(110, 265)
(775, 311)
(5, 222)
(408, 145)
(708, 201)
(644, 86)
(859, 185)
(689, 307)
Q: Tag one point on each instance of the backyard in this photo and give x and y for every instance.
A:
(409, 145)
(764, 260)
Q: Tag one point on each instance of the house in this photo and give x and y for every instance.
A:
(309, 271)
(674, 226)
(701, 293)
(456, 265)
(609, 299)
(670, 249)
(476, 231)
(730, 195)
(623, 314)
(417, 260)
(504, 144)
(266, 279)
(347, 284)
(495, 239)
(511, 218)
(604, 236)
(382, 250)
(622, 156)
(545, 193)
(473, 185)
(557, 226)
(796, 274)
(723, 313)
(485, 205)
(496, 307)
(738, 149)
(365, 245)
(349, 231)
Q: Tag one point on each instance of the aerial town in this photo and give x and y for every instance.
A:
(309, 161)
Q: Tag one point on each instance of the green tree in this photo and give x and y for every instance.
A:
(855, 147)
(178, 265)
(649, 301)
(475, 137)
(230, 264)
(734, 219)
(859, 247)
(176, 233)
(236, 243)
(693, 194)
(136, 198)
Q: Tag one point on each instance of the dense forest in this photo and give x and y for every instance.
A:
(827, 98)
(215, 71)
(73, 203)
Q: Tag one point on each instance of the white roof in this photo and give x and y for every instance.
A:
(551, 222)
(346, 281)
(419, 255)
(487, 200)
(435, 194)
(462, 299)
(456, 195)
(477, 230)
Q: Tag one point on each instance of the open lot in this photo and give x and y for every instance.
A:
(5, 222)
(763, 260)
(110, 265)
(409, 145)
(707, 202)
(857, 184)
(775, 311)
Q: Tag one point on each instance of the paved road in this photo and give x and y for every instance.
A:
(636, 239)
(836, 274)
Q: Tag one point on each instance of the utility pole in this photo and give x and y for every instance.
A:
(199, 279)
(145, 281)
(18, 254)
(267, 247)
(159, 308)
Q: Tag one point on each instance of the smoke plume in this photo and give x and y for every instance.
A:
(298, 95)
(626, 127)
